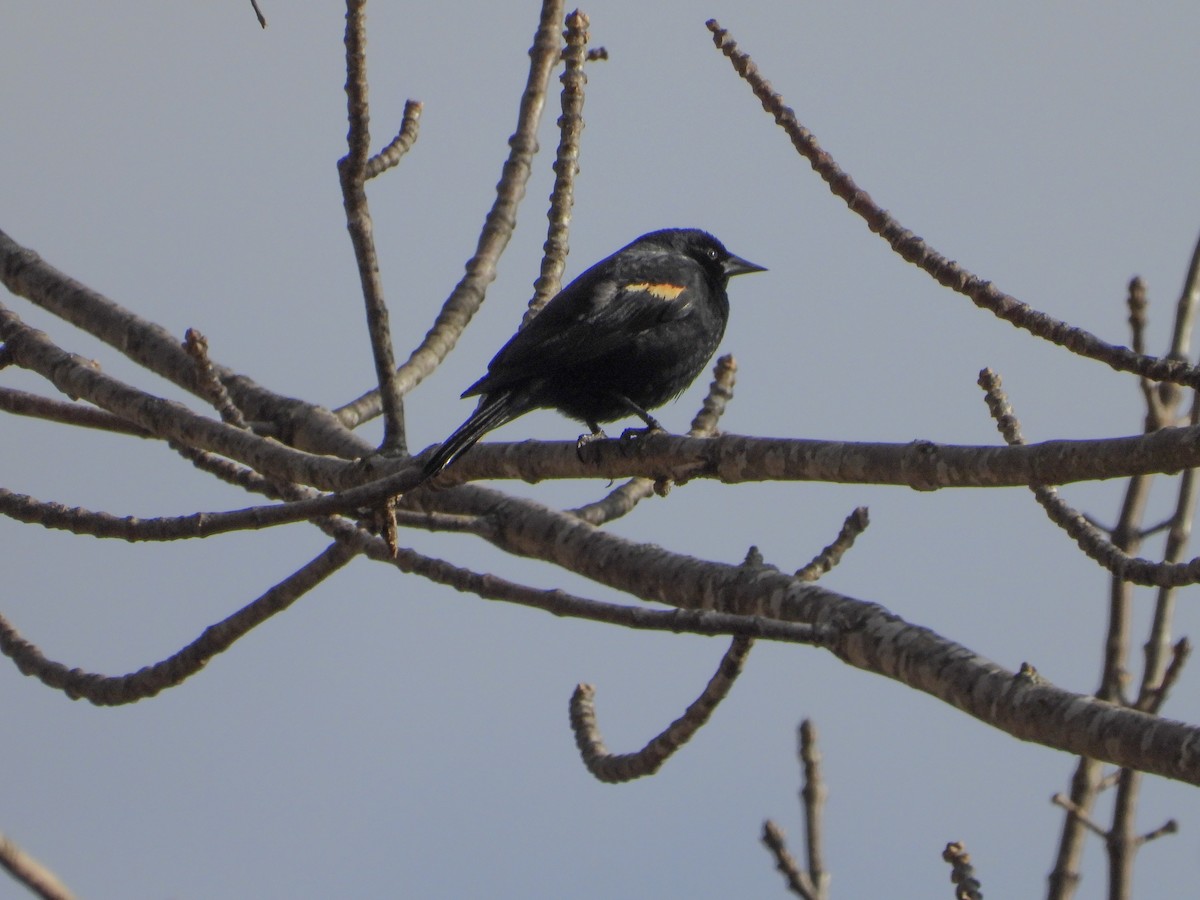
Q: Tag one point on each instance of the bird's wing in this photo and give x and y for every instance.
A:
(583, 323)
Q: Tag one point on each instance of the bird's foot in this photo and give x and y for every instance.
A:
(633, 434)
(585, 439)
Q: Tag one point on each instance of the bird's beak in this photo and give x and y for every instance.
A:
(735, 265)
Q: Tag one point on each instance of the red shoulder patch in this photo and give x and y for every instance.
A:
(663, 290)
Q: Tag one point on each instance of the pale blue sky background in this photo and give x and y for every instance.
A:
(387, 737)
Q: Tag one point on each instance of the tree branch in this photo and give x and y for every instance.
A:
(615, 768)
(466, 298)
(352, 173)
(146, 682)
(945, 271)
(566, 165)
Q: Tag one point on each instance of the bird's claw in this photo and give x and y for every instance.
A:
(585, 439)
(633, 434)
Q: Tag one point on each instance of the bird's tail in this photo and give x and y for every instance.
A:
(493, 412)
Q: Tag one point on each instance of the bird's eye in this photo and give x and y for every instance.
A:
(711, 252)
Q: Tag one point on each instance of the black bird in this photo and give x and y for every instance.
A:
(626, 336)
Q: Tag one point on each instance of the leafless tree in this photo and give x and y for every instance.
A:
(309, 464)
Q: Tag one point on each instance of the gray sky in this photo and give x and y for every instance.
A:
(387, 737)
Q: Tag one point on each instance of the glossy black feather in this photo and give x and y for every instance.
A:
(626, 336)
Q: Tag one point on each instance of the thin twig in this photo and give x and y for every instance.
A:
(854, 525)
(352, 172)
(196, 345)
(615, 768)
(31, 873)
(962, 873)
(104, 690)
(1079, 815)
(797, 880)
(812, 797)
(566, 166)
(1137, 304)
(1156, 672)
(1168, 827)
(1157, 696)
(1158, 676)
(262, 20)
(166, 419)
(391, 155)
(1108, 553)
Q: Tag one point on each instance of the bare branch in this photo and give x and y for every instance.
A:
(352, 172)
(262, 20)
(1155, 696)
(962, 873)
(921, 465)
(196, 345)
(866, 635)
(466, 298)
(627, 496)
(1064, 877)
(813, 796)
(616, 768)
(566, 165)
(798, 881)
(1156, 681)
(1168, 827)
(104, 690)
(1079, 815)
(945, 271)
(31, 873)
(856, 523)
(1185, 309)
(1156, 415)
(391, 155)
(1127, 568)
(163, 418)
(22, 403)
(304, 426)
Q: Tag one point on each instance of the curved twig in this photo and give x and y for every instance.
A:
(615, 768)
(146, 682)
(864, 635)
(390, 156)
(854, 525)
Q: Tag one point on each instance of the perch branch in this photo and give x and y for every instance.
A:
(622, 500)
